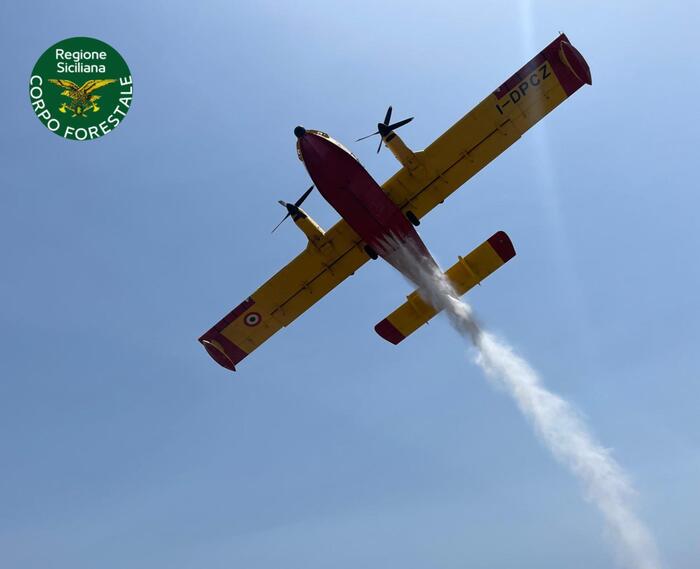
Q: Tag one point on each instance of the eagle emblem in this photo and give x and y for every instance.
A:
(82, 99)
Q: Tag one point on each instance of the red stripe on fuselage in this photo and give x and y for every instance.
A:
(353, 193)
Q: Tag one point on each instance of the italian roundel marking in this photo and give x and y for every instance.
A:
(252, 319)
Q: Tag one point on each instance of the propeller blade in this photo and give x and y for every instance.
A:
(292, 208)
(374, 133)
(399, 124)
(384, 128)
(280, 223)
(303, 197)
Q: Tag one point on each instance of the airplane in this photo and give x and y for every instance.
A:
(374, 215)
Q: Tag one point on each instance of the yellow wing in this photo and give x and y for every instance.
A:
(65, 84)
(94, 84)
(492, 126)
(317, 270)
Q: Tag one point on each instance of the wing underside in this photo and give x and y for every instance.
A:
(548, 79)
(294, 289)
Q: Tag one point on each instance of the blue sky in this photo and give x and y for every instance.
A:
(124, 445)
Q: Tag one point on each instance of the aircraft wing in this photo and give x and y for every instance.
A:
(552, 76)
(311, 275)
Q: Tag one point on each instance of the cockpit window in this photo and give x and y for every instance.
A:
(334, 141)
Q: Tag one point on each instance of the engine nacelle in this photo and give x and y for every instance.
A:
(311, 229)
(403, 153)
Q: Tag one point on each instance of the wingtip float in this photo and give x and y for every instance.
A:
(371, 213)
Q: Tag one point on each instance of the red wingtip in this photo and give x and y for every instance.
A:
(389, 332)
(218, 356)
(222, 350)
(572, 58)
(502, 244)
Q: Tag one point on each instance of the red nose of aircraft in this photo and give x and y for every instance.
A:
(312, 148)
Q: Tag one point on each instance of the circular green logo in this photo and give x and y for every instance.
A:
(81, 88)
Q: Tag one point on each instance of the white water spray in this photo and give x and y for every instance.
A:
(557, 424)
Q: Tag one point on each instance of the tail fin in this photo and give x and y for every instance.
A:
(464, 274)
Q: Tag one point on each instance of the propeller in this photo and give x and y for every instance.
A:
(384, 128)
(292, 208)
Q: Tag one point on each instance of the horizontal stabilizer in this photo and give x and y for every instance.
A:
(466, 273)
